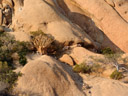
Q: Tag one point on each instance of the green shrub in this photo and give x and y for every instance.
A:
(82, 68)
(7, 75)
(107, 51)
(8, 46)
(116, 75)
(22, 60)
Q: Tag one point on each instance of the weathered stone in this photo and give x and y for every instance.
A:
(108, 20)
(105, 87)
(58, 26)
(67, 59)
(46, 76)
(121, 6)
(21, 36)
(81, 55)
(110, 2)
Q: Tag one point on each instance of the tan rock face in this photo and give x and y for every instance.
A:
(81, 55)
(106, 87)
(108, 20)
(46, 76)
(21, 36)
(39, 15)
(78, 16)
(121, 7)
(66, 59)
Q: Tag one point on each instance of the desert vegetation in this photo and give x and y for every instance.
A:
(84, 68)
(63, 47)
(98, 65)
(8, 47)
(116, 75)
(45, 43)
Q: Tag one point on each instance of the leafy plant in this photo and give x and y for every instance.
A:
(8, 46)
(107, 51)
(22, 60)
(82, 68)
(7, 75)
(116, 75)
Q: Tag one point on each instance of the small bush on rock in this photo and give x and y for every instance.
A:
(107, 51)
(116, 75)
(82, 68)
(41, 41)
(7, 75)
(8, 46)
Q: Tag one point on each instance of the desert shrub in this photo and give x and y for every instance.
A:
(82, 68)
(22, 60)
(8, 76)
(111, 54)
(8, 46)
(116, 75)
(42, 42)
(107, 51)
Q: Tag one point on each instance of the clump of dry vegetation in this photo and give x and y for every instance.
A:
(116, 75)
(45, 43)
(41, 41)
(84, 68)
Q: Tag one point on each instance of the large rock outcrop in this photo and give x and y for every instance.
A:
(109, 19)
(105, 87)
(41, 15)
(46, 76)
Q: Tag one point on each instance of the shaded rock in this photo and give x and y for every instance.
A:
(81, 17)
(108, 20)
(46, 76)
(78, 16)
(66, 59)
(61, 28)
